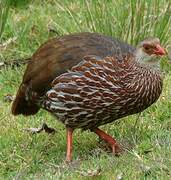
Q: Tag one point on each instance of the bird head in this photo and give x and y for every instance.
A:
(148, 50)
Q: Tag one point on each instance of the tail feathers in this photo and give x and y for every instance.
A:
(21, 105)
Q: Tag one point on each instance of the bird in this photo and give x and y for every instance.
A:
(89, 79)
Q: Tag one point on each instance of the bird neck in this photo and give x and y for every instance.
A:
(146, 60)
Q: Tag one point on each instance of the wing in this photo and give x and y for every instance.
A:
(57, 56)
(61, 54)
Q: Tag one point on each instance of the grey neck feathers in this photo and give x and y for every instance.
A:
(146, 60)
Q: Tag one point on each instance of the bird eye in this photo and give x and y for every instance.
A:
(146, 47)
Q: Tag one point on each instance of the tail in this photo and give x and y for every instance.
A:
(21, 105)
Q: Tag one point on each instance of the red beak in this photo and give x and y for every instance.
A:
(160, 51)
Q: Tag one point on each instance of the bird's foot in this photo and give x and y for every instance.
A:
(115, 147)
(69, 145)
(44, 127)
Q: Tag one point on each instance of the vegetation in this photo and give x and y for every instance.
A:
(4, 9)
(147, 138)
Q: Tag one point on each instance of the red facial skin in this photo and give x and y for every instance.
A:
(159, 50)
(154, 49)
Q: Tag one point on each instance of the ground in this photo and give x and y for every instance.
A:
(146, 138)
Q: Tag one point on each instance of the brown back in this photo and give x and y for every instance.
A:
(55, 57)
(60, 54)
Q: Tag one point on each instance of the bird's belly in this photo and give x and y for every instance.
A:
(88, 110)
(91, 115)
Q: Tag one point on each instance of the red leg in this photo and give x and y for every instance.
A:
(111, 141)
(69, 144)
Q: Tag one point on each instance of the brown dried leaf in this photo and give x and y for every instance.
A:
(8, 98)
(8, 42)
(38, 130)
(90, 172)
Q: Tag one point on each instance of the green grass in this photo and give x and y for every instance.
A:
(4, 9)
(147, 142)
